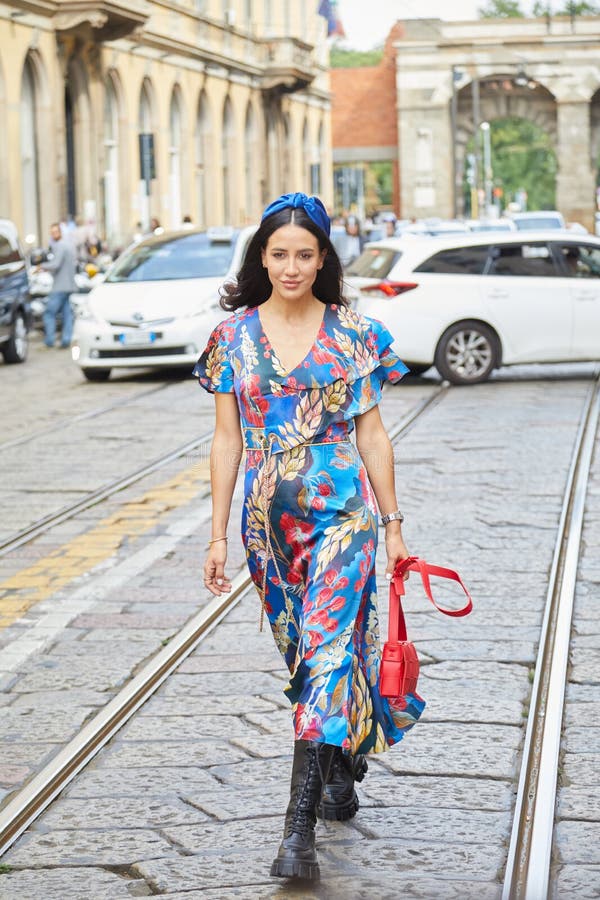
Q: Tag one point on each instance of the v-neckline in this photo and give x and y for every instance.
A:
(285, 373)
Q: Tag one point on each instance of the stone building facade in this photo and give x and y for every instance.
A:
(116, 112)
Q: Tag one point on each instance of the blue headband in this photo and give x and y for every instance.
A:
(312, 206)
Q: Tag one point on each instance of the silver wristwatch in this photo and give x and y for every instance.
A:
(392, 517)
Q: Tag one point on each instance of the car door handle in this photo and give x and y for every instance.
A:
(585, 295)
(497, 294)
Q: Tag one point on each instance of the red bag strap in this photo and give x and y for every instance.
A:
(397, 624)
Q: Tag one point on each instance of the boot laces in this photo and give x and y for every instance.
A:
(304, 813)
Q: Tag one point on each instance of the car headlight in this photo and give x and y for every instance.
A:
(83, 309)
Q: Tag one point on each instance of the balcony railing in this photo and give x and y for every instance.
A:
(108, 20)
(288, 65)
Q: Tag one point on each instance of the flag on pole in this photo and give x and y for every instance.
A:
(328, 9)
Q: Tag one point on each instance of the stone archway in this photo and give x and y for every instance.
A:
(495, 98)
(435, 64)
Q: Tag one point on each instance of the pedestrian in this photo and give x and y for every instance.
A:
(294, 371)
(354, 239)
(62, 266)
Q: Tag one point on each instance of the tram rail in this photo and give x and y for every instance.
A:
(79, 417)
(530, 852)
(102, 493)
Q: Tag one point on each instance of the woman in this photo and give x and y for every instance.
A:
(293, 372)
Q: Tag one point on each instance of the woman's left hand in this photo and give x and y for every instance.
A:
(396, 550)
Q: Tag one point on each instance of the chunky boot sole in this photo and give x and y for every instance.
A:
(339, 812)
(295, 868)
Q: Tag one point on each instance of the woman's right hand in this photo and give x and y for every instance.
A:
(214, 569)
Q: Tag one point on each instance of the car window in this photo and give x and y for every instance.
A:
(458, 261)
(374, 262)
(185, 256)
(9, 251)
(533, 259)
(581, 260)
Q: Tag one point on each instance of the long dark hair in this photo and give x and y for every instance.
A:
(252, 286)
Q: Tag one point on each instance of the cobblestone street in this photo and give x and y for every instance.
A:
(187, 800)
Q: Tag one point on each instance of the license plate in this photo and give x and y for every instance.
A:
(137, 338)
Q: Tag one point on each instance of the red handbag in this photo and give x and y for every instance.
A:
(399, 668)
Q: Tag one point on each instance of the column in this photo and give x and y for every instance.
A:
(575, 183)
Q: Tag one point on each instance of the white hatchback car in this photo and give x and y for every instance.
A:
(159, 301)
(470, 304)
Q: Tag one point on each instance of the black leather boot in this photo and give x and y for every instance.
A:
(340, 801)
(297, 856)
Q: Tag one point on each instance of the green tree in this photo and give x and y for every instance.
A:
(347, 59)
(522, 159)
(501, 9)
(545, 7)
(578, 9)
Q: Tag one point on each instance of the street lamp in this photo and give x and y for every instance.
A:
(488, 175)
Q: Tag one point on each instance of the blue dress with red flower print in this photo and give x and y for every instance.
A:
(309, 521)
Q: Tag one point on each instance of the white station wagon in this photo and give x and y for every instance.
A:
(470, 304)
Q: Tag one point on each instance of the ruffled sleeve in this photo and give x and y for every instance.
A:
(384, 365)
(213, 369)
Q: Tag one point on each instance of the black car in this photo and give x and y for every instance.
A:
(15, 310)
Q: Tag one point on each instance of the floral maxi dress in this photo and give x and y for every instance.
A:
(309, 521)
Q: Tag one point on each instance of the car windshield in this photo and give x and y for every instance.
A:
(182, 256)
(374, 262)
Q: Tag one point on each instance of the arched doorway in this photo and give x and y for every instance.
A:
(595, 146)
(147, 151)
(521, 115)
(227, 137)
(287, 169)
(112, 217)
(80, 191)
(306, 156)
(175, 150)
(250, 164)
(30, 168)
(4, 176)
(202, 159)
(273, 154)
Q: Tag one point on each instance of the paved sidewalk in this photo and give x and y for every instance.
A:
(187, 801)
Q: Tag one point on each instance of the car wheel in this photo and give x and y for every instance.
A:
(96, 374)
(16, 347)
(467, 352)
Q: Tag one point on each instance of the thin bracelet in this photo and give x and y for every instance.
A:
(214, 540)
